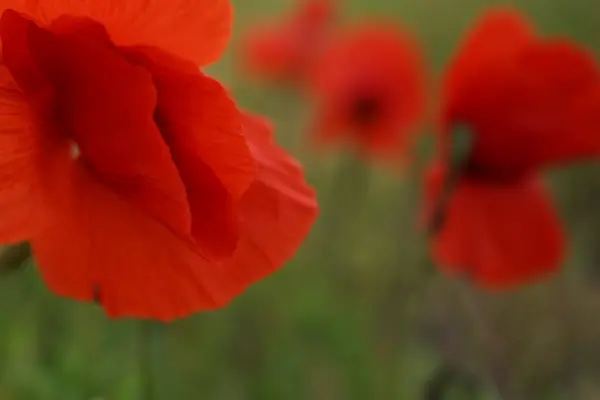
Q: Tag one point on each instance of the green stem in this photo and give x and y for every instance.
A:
(348, 191)
(567, 311)
(150, 338)
(459, 151)
(484, 337)
(446, 378)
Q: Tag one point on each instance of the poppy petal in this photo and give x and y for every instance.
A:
(270, 53)
(20, 150)
(284, 49)
(16, 55)
(106, 106)
(498, 235)
(95, 245)
(196, 112)
(550, 107)
(277, 211)
(499, 35)
(215, 214)
(531, 103)
(202, 127)
(195, 30)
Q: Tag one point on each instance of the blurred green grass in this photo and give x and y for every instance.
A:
(356, 315)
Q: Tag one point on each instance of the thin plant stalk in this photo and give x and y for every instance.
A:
(445, 378)
(459, 153)
(484, 337)
(348, 190)
(150, 342)
(566, 308)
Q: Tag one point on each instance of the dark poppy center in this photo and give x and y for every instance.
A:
(366, 110)
(472, 166)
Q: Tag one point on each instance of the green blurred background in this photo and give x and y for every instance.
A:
(359, 313)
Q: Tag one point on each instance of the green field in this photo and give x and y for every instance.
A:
(358, 314)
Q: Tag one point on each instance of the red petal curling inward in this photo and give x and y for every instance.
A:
(530, 102)
(285, 50)
(277, 211)
(370, 89)
(499, 235)
(202, 127)
(106, 106)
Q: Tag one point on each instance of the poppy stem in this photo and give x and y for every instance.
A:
(484, 338)
(50, 318)
(460, 148)
(445, 378)
(350, 183)
(438, 216)
(148, 343)
(457, 157)
(567, 311)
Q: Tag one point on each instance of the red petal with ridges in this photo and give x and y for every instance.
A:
(499, 235)
(94, 243)
(106, 106)
(21, 167)
(277, 211)
(202, 127)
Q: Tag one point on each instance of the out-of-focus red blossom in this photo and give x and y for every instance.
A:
(369, 89)
(529, 103)
(284, 50)
(134, 176)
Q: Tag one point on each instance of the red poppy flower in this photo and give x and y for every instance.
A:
(369, 88)
(527, 103)
(134, 176)
(283, 50)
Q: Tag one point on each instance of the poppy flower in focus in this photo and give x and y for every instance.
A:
(284, 50)
(369, 89)
(135, 178)
(514, 104)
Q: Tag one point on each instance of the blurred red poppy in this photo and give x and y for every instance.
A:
(134, 176)
(527, 103)
(369, 89)
(283, 50)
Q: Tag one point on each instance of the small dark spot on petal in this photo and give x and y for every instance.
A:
(366, 110)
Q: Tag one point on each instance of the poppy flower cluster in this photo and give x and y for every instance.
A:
(133, 175)
(367, 82)
(140, 184)
(512, 104)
